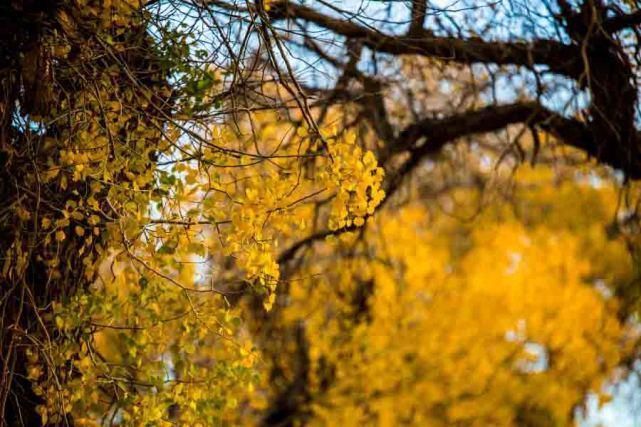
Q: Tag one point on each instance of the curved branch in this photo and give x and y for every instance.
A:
(438, 132)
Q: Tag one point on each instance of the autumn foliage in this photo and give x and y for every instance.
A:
(190, 240)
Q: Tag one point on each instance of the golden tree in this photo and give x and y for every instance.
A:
(190, 233)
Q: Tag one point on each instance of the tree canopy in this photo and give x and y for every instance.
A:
(284, 212)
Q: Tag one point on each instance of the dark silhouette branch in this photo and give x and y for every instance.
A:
(560, 58)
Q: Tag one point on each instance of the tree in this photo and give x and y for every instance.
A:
(120, 180)
(171, 180)
(65, 142)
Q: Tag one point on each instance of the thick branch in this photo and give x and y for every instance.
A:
(560, 58)
(418, 16)
(438, 132)
(621, 22)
